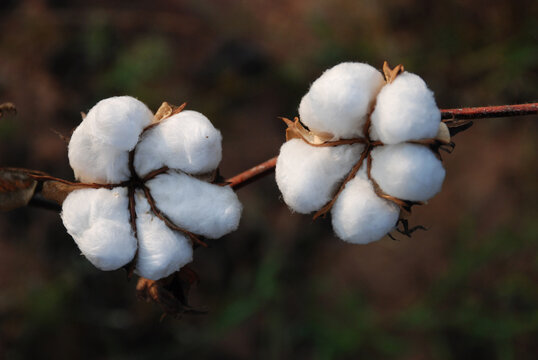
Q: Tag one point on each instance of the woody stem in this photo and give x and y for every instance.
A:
(485, 112)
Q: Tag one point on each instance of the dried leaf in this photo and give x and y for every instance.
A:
(16, 188)
(391, 74)
(296, 130)
(170, 293)
(166, 110)
(7, 109)
(178, 109)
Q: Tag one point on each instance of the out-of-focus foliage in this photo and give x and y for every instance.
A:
(282, 286)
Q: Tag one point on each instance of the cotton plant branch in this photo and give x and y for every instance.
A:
(24, 187)
(490, 111)
(51, 192)
(457, 120)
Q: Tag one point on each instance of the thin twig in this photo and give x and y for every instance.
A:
(485, 112)
(252, 174)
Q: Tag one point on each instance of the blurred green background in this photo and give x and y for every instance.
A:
(282, 287)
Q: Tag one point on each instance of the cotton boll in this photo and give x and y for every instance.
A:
(405, 110)
(359, 216)
(407, 171)
(99, 147)
(338, 102)
(196, 206)
(118, 121)
(98, 221)
(95, 162)
(308, 176)
(161, 251)
(186, 141)
(76, 210)
(107, 244)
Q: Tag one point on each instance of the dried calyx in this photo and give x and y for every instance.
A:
(170, 293)
(377, 143)
(147, 190)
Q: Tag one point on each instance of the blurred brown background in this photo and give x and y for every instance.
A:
(282, 286)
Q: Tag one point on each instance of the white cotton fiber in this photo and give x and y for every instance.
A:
(359, 216)
(118, 121)
(98, 221)
(99, 147)
(196, 206)
(339, 100)
(96, 162)
(405, 110)
(186, 141)
(161, 251)
(308, 176)
(407, 171)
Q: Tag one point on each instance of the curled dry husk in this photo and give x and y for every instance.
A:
(16, 188)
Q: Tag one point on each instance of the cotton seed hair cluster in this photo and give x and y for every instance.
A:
(365, 150)
(145, 199)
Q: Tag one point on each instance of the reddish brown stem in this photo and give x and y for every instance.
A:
(490, 111)
(258, 171)
(265, 168)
